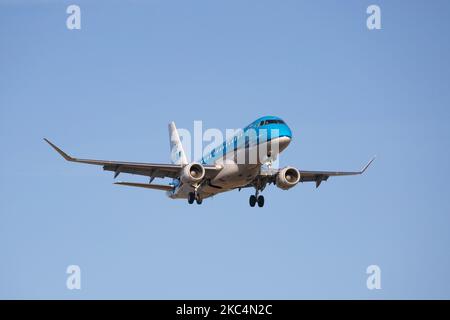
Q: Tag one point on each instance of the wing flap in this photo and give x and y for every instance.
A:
(154, 171)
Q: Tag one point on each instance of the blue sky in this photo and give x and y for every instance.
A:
(108, 91)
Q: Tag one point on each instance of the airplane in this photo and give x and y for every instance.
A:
(220, 170)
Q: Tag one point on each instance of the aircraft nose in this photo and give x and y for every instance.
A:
(288, 133)
(283, 142)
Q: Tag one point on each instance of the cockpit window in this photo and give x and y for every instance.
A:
(274, 121)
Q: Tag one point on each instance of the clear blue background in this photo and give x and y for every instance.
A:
(108, 91)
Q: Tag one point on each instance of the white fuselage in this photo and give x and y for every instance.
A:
(234, 174)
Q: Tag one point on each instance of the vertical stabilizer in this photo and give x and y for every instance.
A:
(177, 155)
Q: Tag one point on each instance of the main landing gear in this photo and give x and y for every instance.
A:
(192, 196)
(255, 199)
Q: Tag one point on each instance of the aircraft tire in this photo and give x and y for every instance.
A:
(252, 201)
(260, 201)
(191, 198)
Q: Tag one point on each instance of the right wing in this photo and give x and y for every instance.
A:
(153, 170)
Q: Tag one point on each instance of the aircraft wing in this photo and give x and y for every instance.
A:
(153, 170)
(314, 176)
(319, 176)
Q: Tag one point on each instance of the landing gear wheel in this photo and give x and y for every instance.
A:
(199, 200)
(260, 201)
(252, 201)
(191, 198)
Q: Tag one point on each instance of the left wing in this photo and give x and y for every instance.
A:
(153, 170)
(307, 176)
(319, 176)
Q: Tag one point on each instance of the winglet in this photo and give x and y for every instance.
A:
(367, 165)
(62, 153)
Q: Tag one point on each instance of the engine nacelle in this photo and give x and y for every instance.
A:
(192, 173)
(287, 178)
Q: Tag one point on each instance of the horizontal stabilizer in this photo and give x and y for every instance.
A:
(146, 185)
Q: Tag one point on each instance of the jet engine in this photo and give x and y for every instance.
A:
(287, 178)
(192, 173)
